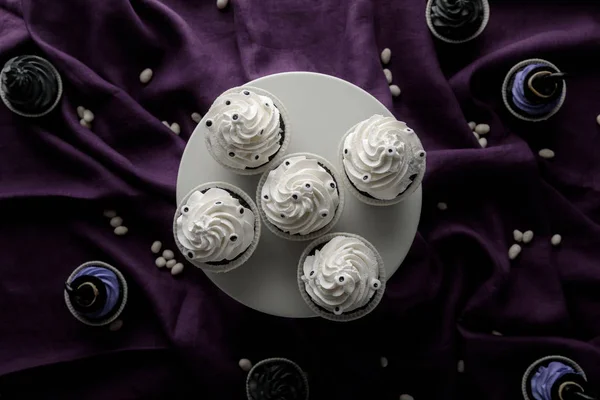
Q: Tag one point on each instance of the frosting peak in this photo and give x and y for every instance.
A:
(214, 226)
(300, 196)
(111, 288)
(342, 276)
(383, 157)
(245, 129)
(457, 19)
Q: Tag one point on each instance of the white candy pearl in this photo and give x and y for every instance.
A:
(476, 135)
(80, 110)
(386, 55)
(116, 221)
(109, 213)
(160, 262)
(84, 123)
(395, 89)
(598, 119)
(555, 240)
(518, 235)
(482, 129)
(88, 116)
(165, 123)
(245, 364)
(177, 269)
(496, 333)
(406, 397)
(121, 230)
(483, 142)
(156, 246)
(472, 125)
(514, 251)
(115, 325)
(146, 75)
(221, 4)
(168, 254)
(171, 263)
(176, 128)
(384, 362)
(527, 236)
(388, 75)
(442, 206)
(196, 117)
(460, 367)
(546, 153)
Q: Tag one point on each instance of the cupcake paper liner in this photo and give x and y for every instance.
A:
(506, 90)
(545, 361)
(52, 107)
(242, 258)
(115, 315)
(338, 212)
(372, 201)
(279, 360)
(486, 18)
(219, 156)
(353, 315)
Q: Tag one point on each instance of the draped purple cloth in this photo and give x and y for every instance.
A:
(183, 335)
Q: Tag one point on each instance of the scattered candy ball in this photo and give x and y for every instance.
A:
(146, 75)
(472, 125)
(460, 367)
(116, 221)
(80, 110)
(175, 128)
(171, 263)
(514, 251)
(476, 135)
(156, 246)
(245, 364)
(221, 4)
(598, 119)
(555, 240)
(442, 206)
(406, 397)
(546, 153)
(168, 254)
(482, 129)
(483, 142)
(115, 325)
(527, 236)
(177, 269)
(384, 362)
(88, 116)
(109, 213)
(386, 55)
(388, 75)
(121, 230)
(395, 90)
(518, 235)
(160, 262)
(196, 117)
(496, 333)
(85, 124)
(165, 123)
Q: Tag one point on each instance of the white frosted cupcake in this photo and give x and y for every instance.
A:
(341, 276)
(300, 199)
(247, 129)
(383, 160)
(217, 227)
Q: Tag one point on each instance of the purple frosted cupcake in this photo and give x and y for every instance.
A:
(555, 378)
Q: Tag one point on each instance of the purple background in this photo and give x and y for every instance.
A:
(457, 284)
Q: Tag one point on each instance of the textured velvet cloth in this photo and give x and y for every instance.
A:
(457, 284)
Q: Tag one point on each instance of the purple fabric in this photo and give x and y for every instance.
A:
(544, 378)
(111, 284)
(518, 94)
(456, 285)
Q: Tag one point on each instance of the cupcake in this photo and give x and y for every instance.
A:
(457, 21)
(383, 160)
(555, 378)
(246, 130)
(96, 293)
(300, 199)
(276, 379)
(30, 86)
(341, 276)
(217, 227)
(534, 90)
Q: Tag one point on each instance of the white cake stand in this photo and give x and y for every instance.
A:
(321, 109)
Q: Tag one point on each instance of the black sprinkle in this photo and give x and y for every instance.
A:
(390, 150)
(233, 238)
(413, 177)
(256, 157)
(307, 185)
(227, 102)
(231, 154)
(190, 254)
(287, 163)
(332, 185)
(295, 196)
(261, 131)
(247, 93)
(312, 273)
(218, 203)
(375, 285)
(341, 279)
(208, 123)
(234, 117)
(241, 210)
(186, 209)
(266, 197)
(365, 178)
(345, 151)
(282, 216)
(324, 215)
(267, 104)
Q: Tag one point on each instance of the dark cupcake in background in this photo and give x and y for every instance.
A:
(30, 86)
(457, 21)
(276, 379)
(534, 90)
(555, 378)
(96, 293)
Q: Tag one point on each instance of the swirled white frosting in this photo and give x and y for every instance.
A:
(245, 130)
(214, 226)
(300, 196)
(382, 157)
(342, 276)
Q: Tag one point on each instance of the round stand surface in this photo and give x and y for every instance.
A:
(321, 109)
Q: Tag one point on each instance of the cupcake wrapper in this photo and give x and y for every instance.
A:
(371, 200)
(486, 18)
(242, 258)
(353, 315)
(121, 307)
(52, 107)
(545, 361)
(506, 90)
(338, 212)
(218, 155)
(276, 359)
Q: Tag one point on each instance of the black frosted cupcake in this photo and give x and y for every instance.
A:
(534, 90)
(457, 21)
(276, 379)
(30, 86)
(555, 378)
